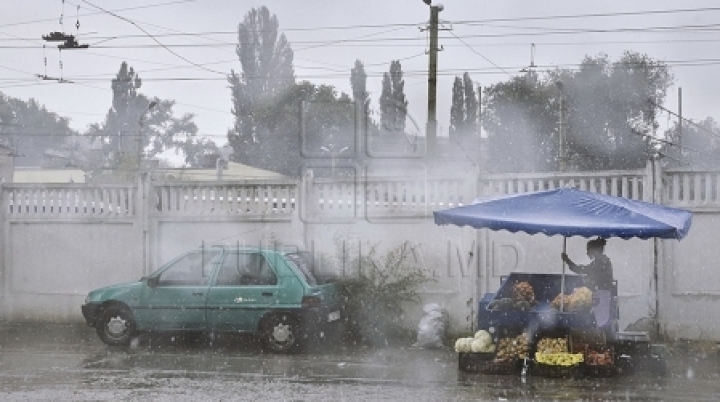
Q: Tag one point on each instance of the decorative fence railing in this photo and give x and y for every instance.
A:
(691, 188)
(631, 184)
(344, 197)
(49, 200)
(246, 197)
(374, 197)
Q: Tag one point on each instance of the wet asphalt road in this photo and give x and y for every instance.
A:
(68, 363)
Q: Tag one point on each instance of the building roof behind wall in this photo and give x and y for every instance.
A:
(39, 175)
(234, 171)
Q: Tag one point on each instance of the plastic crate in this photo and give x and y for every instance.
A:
(495, 367)
(591, 359)
(471, 362)
(551, 371)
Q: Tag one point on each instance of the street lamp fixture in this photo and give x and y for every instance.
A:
(333, 155)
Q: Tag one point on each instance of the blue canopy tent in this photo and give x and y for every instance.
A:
(571, 212)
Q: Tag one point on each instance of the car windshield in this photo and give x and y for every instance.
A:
(304, 261)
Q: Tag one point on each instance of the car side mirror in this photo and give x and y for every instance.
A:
(152, 281)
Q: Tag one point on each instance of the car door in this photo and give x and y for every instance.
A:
(177, 296)
(245, 287)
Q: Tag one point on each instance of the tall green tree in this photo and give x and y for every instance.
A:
(387, 109)
(31, 130)
(393, 102)
(604, 101)
(471, 107)
(520, 123)
(457, 109)
(699, 147)
(464, 108)
(267, 74)
(131, 119)
(358, 82)
(327, 121)
(603, 98)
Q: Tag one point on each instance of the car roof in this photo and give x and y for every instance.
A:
(284, 249)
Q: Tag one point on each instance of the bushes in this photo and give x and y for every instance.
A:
(375, 298)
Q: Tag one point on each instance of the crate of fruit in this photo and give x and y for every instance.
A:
(558, 365)
(600, 361)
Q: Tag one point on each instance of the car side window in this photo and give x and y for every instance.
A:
(191, 270)
(246, 269)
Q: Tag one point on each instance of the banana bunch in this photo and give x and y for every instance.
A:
(559, 359)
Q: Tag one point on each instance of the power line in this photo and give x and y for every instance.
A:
(479, 54)
(153, 38)
(686, 120)
(644, 13)
(97, 13)
(672, 144)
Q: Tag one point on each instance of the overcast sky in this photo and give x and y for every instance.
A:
(490, 40)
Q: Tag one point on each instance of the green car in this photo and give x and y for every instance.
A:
(218, 289)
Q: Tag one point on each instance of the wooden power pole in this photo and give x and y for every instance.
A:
(431, 129)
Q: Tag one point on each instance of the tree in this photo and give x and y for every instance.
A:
(471, 107)
(457, 109)
(603, 98)
(393, 103)
(328, 118)
(30, 129)
(386, 105)
(464, 109)
(119, 134)
(520, 122)
(700, 145)
(358, 82)
(267, 74)
(604, 101)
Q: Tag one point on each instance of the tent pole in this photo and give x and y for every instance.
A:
(562, 279)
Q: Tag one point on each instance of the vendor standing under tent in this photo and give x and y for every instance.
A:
(598, 273)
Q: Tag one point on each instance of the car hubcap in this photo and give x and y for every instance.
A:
(116, 326)
(281, 332)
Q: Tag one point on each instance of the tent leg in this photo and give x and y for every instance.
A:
(562, 279)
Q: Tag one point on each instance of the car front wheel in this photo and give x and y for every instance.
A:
(280, 334)
(116, 326)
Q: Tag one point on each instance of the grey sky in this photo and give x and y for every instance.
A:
(500, 36)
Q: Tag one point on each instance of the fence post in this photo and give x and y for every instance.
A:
(141, 218)
(4, 287)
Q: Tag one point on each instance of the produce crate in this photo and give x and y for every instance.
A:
(472, 362)
(596, 368)
(504, 367)
(551, 371)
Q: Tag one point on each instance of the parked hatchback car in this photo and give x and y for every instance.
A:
(218, 289)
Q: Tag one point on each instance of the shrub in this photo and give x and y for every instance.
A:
(375, 298)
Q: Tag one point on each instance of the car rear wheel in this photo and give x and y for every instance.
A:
(280, 333)
(116, 326)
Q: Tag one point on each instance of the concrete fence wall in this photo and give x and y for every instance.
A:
(60, 241)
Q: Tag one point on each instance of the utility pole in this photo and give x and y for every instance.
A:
(431, 128)
(562, 158)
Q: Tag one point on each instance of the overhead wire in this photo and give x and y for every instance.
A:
(98, 12)
(684, 119)
(154, 39)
